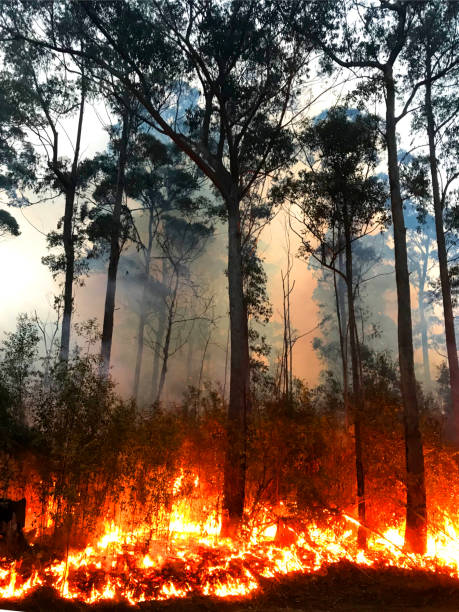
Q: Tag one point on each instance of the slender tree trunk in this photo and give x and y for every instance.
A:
(342, 325)
(69, 275)
(159, 339)
(167, 339)
(425, 349)
(190, 370)
(357, 392)
(226, 363)
(204, 361)
(416, 513)
(143, 309)
(109, 311)
(239, 402)
(422, 317)
(140, 341)
(450, 335)
(67, 235)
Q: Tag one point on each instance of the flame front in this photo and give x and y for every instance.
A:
(194, 560)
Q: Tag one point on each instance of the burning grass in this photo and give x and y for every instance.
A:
(114, 520)
(131, 565)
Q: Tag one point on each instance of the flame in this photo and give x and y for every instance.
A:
(195, 560)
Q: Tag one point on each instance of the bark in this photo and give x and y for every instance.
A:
(357, 392)
(450, 335)
(67, 236)
(115, 251)
(239, 402)
(69, 275)
(416, 514)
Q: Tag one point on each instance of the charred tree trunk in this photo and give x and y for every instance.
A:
(239, 402)
(143, 309)
(357, 391)
(67, 236)
(451, 347)
(416, 514)
(115, 250)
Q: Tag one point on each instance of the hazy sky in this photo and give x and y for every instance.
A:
(26, 284)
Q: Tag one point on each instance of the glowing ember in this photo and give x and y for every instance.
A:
(126, 564)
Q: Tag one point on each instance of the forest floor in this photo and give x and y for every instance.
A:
(344, 588)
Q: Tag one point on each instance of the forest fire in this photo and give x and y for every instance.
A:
(128, 565)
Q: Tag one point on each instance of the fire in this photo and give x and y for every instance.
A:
(125, 564)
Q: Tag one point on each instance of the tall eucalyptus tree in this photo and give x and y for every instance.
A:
(245, 60)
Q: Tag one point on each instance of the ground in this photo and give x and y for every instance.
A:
(344, 588)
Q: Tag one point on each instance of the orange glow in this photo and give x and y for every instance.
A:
(127, 564)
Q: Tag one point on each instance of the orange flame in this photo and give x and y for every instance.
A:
(195, 560)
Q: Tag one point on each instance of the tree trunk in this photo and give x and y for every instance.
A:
(109, 311)
(357, 391)
(143, 309)
(190, 370)
(239, 402)
(416, 514)
(422, 317)
(159, 340)
(167, 339)
(342, 325)
(140, 341)
(450, 335)
(67, 236)
(69, 275)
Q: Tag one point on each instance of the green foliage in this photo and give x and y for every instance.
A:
(8, 224)
(18, 354)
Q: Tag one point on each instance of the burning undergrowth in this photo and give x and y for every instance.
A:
(126, 506)
(139, 564)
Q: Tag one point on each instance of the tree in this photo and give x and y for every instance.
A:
(115, 239)
(340, 200)
(371, 38)
(422, 258)
(17, 158)
(247, 64)
(166, 187)
(435, 44)
(181, 243)
(111, 222)
(19, 351)
(8, 224)
(45, 91)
